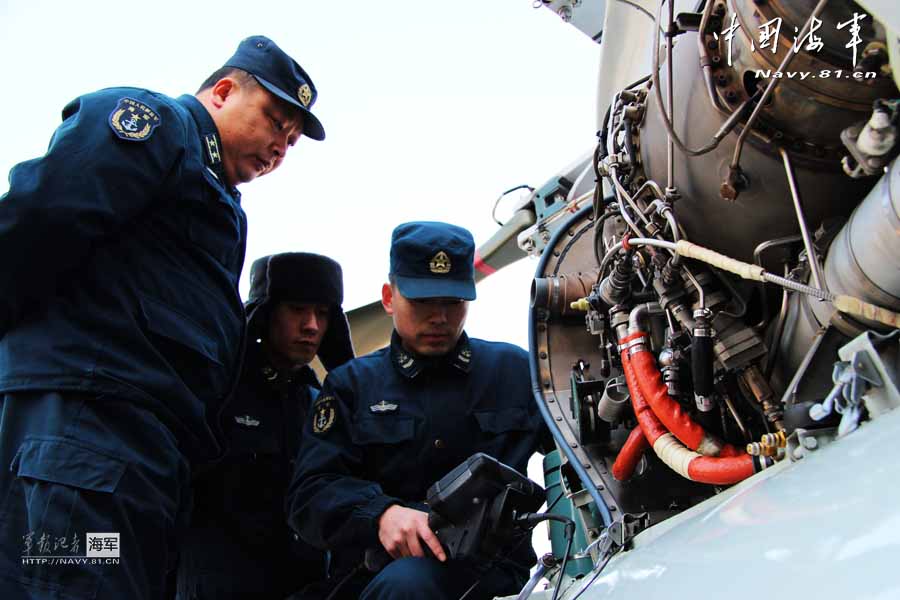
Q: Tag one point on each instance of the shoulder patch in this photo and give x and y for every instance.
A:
(133, 121)
(323, 414)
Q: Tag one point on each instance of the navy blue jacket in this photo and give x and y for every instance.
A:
(119, 263)
(388, 425)
(239, 538)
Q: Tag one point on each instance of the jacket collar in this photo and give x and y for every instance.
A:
(409, 365)
(209, 139)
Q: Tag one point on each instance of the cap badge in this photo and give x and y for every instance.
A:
(305, 95)
(440, 263)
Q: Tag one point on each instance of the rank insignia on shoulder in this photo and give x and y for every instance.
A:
(323, 414)
(134, 121)
(383, 407)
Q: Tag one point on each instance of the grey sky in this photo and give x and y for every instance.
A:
(431, 110)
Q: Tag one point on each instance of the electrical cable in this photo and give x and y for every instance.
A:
(500, 197)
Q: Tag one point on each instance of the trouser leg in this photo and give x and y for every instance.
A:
(83, 479)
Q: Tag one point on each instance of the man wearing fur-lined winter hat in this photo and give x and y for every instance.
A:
(239, 544)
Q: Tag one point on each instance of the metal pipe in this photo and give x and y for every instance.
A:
(615, 249)
(762, 247)
(804, 231)
(774, 81)
(696, 285)
(705, 62)
(776, 333)
(670, 151)
(641, 312)
(791, 390)
(737, 418)
(665, 118)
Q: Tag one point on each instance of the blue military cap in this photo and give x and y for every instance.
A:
(281, 75)
(433, 260)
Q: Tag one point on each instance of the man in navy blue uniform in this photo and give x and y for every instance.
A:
(239, 545)
(388, 425)
(121, 325)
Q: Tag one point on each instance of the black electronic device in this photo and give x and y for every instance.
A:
(474, 507)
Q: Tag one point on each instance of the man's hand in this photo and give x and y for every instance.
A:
(402, 530)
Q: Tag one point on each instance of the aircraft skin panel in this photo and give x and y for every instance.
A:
(829, 523)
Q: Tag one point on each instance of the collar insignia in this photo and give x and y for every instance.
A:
(440, 263)
(133, 121)
(247, 421)
(405, 360)
(383, 407)
(212, 148)
(304, 93)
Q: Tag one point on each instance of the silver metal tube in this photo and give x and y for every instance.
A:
(737, 417)
(774, 81)
(641, 312)
(791, 390)
(653, 186)
(696, 285)
(776, 333)
(670, 91)
(667, 120)
(615, 249)
(652, 242)
(762, 247)
(813, 259)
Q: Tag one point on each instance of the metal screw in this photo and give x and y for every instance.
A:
(543, 355)
(810, 443)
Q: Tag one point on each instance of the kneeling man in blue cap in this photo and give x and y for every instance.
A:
(390, 424)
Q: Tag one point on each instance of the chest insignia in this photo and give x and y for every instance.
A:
(133, 121)
(323, 414)
(247, 421)
(383, 407)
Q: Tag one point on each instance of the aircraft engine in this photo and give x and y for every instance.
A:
(732, 291)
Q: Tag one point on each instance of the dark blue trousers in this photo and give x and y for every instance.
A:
(93, 494)
(423, 578)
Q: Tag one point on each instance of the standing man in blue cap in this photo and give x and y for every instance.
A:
(239, 546)
(388, 425)
(121, 326)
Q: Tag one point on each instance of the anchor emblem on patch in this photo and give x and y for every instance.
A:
(133, 120)
(383, 407)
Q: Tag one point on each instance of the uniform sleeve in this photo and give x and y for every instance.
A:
(329, 503)
(86, 188)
